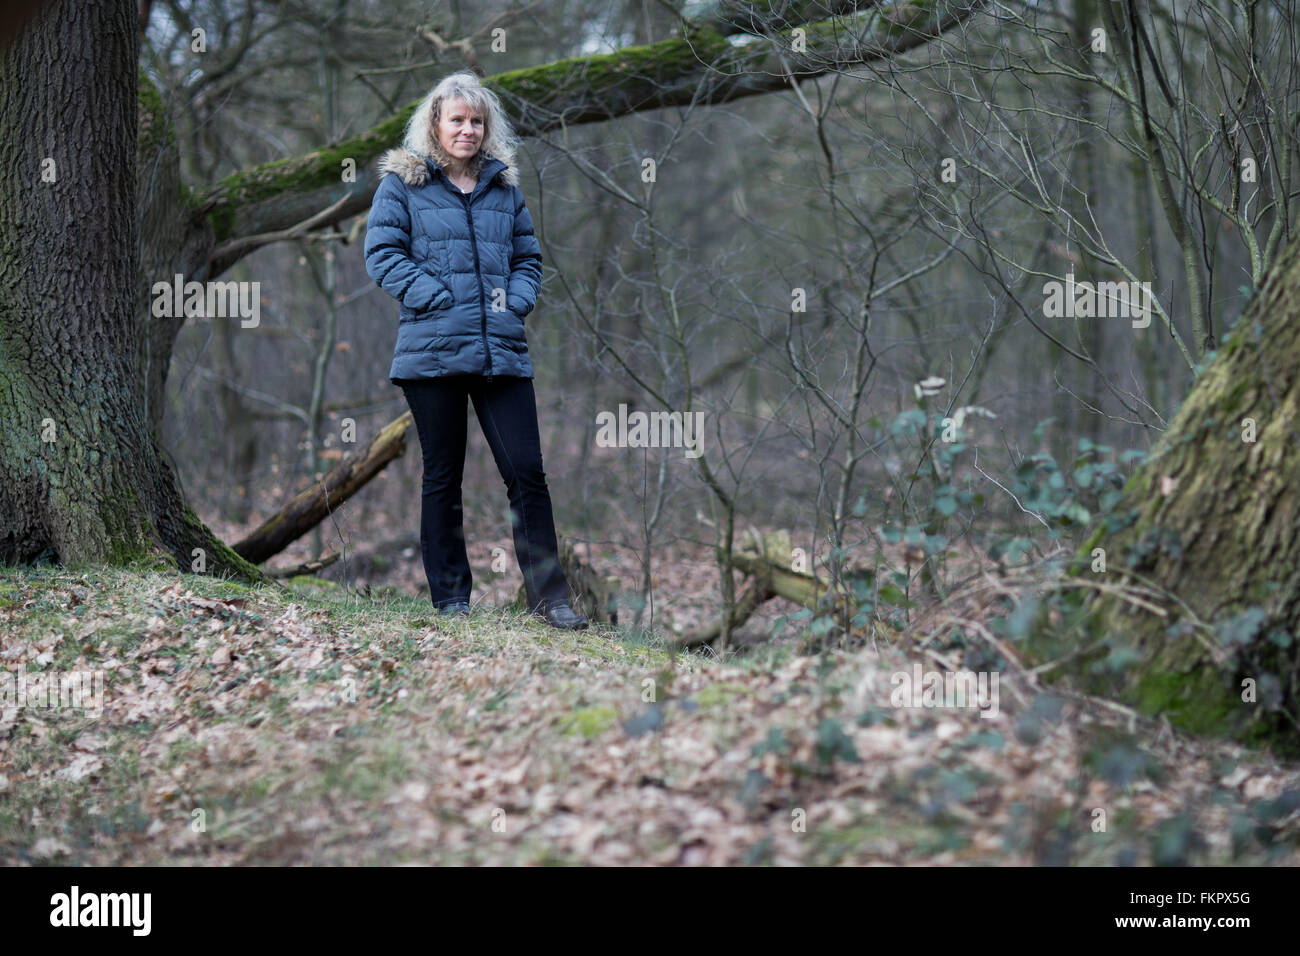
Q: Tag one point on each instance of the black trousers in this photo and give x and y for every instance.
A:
(507, 412)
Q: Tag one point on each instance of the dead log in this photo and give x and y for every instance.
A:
(310, 507)
(311, 567)
(596, 594)
(758, 592)
(768, 556)
(766, 559)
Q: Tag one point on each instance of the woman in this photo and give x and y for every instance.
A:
(450, 238)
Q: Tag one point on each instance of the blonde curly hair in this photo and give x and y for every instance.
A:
(499, 138)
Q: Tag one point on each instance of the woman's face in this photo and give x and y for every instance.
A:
(460, 131)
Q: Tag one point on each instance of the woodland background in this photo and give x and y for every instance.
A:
(834, 188)
(827, 226)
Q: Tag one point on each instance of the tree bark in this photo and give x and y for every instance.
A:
(173, 240)
(1204, 548)
(81, 476)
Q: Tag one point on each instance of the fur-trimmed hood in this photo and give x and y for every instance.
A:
(413, 168)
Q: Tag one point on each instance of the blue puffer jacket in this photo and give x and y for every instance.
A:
(465, 269)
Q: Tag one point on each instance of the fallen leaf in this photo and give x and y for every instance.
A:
(81, 767)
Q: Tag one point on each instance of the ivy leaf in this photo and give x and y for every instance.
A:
(890, 594)
(833, 743)
(774, 743)
(1076, 512)
(1241, 628)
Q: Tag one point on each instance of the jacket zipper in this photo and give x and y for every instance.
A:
(478, 276)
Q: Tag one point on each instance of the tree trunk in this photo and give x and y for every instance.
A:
(173, 240)
(1205, 548)
(241, 428)
(81, 477)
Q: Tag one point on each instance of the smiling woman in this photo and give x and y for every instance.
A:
(460, 130)
(450, 238)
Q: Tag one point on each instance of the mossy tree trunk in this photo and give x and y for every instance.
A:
(1207, 538)
(173, 239)
(81, 476)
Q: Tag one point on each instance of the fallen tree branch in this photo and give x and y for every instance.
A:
(310, 507)
(750, 599)
(766, 559)
(310, 567)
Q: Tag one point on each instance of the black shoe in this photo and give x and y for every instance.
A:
(458, 607)
(564, 617)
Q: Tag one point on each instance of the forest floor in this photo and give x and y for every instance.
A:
(308, 724)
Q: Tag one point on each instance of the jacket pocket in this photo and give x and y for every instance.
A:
(518, 305)
(438, 263)
(441, 303)
(443, 299)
